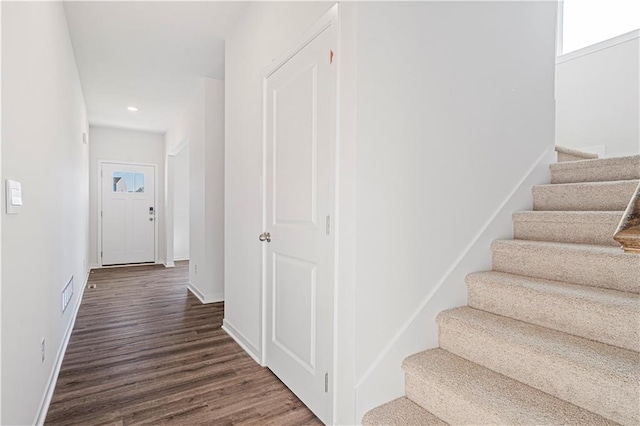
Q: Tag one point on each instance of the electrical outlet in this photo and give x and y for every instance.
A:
(42, 350)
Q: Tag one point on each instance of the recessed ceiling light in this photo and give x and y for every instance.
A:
(132, 108)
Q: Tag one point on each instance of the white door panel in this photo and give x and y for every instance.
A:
(300, 136)
(128, 214)
(294, 109)
(116, 240)
(294, 287)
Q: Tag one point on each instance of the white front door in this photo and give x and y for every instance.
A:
(128, 214)
(300, 137)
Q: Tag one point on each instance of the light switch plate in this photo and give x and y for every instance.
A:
(13, 196)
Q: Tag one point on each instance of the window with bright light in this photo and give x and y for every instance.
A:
(128, 182)
(587, 22)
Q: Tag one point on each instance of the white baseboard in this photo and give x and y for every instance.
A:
(205, 298)
(197, 293)
(180, 258)
(169, 265)
(242, 341)
(53, 378)
(126, 265)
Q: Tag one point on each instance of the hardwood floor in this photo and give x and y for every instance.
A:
(145, 351)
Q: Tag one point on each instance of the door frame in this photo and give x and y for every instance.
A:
(169, 218)
(99, 211)
(329, 19)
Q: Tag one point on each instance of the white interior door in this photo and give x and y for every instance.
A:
(128, 214)
(300, 138)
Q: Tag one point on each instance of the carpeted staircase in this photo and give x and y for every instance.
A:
(551, 335)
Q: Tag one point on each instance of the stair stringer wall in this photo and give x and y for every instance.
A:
(384, 380)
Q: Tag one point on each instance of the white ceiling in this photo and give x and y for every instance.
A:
(151, 55)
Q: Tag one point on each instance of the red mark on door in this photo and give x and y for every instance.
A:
(331, 57)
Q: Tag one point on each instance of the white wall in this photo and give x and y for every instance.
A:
(181, 205)
(190, 128)
(598, 96)
(201, 126)
(43, 118)
(0, 206)
(264, 31)
(450, 121)
(130, 146)
(214, 189)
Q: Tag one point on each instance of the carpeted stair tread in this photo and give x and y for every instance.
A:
(461, 392)
(577, 227)
(607, 316)
(551, 335)
(584, 196)
(569, 154)
(592, 375)
(598, 170)
(400, 412)
(597, 266)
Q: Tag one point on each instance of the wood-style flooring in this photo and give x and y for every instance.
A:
(145, 351)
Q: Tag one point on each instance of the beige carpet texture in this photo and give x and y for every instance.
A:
(595, 228)
(551, 335)
(570, 154)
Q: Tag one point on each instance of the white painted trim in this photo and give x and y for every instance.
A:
(178, 148)
(126, 265)
(180, 258)
(169, 265)
(118, 126)
(328, 19)
(241, 340)
(450, 270)
(169, 202)
(205, 299)
(560, 28)
(53, 378)
(606, 44)
(196, 292)
(155, 203)
(1, 206)
(263, 253)
(344, 225)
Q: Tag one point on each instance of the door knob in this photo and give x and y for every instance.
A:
(265, 236)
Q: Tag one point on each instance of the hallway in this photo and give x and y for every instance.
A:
(145, 350)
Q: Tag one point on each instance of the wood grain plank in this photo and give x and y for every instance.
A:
(146, 351)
